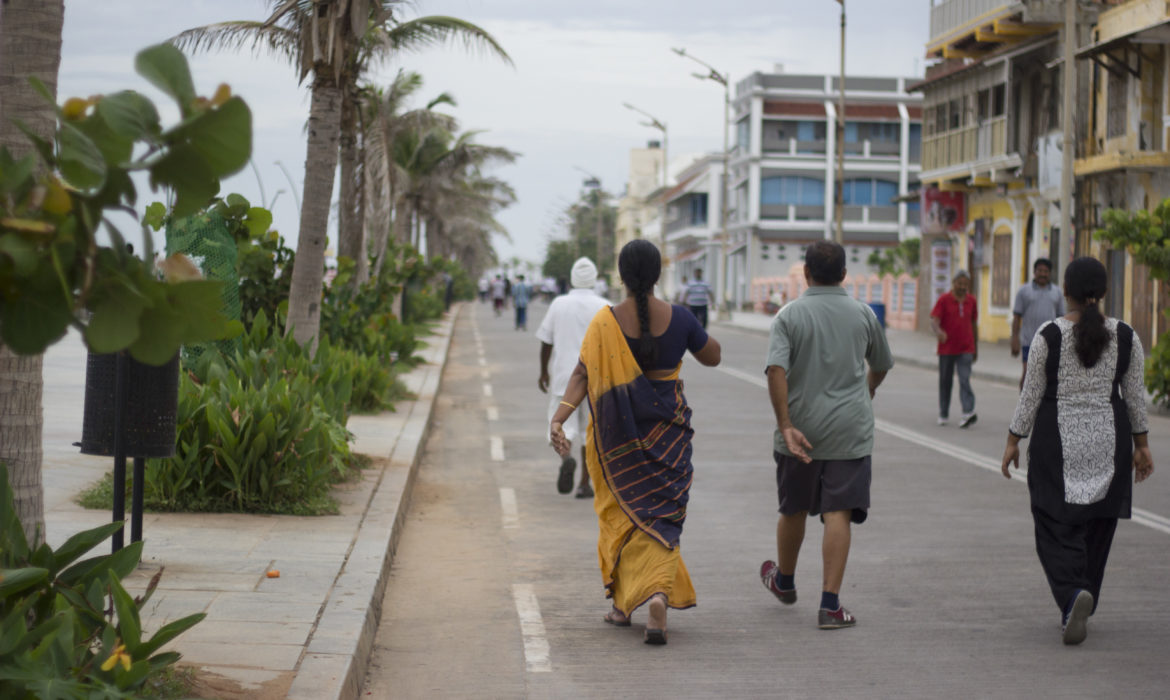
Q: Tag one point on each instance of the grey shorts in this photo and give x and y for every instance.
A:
(823, 486)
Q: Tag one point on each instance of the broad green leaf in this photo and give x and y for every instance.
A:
(15, 174)
(37, 316)
(129, 626)
(166, 68)
(129, 115)
(80, 543)
(188, 174)
(258, 222)
(16, 580)
(81, 161)
(114, 147)
(155, 216)
(222, 136)
(168, 632)
(138, 672)
(237, 203)
(22, 253)
(121, 562)
(114, 325)
(13, 543)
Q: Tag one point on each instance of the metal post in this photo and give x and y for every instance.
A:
(121, 370)
(1069, 147)
(840, 189)
(724, 273)
(136, 499)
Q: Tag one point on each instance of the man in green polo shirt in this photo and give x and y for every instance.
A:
(822, 394)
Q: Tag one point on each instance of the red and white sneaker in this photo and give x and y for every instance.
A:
(769, 572)
(835, 619)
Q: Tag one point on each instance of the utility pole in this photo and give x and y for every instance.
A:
(839, 195)
(1069, 76)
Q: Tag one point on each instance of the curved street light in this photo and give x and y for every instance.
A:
(656, 123)
(723, 79)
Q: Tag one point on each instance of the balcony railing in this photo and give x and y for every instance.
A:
(863, 149)
(965, 145)
(947, 15)
(793, 213)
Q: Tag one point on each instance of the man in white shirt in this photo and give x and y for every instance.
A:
(560, 335)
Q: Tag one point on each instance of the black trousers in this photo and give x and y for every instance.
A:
(1073, 555)
(700, 313)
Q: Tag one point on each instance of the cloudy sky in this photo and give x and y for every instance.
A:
(559, 106)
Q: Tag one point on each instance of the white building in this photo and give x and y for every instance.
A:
(784, 168)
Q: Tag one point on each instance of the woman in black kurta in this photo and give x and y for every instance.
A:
(1084, 405)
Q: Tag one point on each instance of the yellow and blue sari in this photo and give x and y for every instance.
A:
(639, 457)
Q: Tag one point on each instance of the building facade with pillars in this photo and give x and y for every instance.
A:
(1124, 163)
(784, 167)
(639, 206)
(692, 222)
(992, 136)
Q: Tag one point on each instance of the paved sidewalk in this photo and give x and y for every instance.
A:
(305, 634)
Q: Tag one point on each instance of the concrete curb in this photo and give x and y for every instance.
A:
(337, 652)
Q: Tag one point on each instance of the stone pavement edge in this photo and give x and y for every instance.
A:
(305, 634)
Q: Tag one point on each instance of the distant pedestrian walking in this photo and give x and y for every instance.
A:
(484, 287)
(639, 447)
(1036, 303)
(698, 296)
(498, 293)
(1084, 406)
(521, 294)
(560, 335)
(955, 321)
(822, 392)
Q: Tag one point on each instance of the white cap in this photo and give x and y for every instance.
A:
(584, 274)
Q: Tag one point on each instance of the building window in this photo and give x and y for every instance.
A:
(1117, 103)
(851, 132)
(743, 131)
(915, 144)
(699, 209)
(940, 119)
(867, 192)
(1001, 270)
(998, 100)
(810, 131)
(955, 112)
(790, 189)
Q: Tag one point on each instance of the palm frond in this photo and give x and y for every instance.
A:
(233, 36)
(435, 30)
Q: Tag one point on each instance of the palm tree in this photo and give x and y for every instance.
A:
(380, 43)
(334, 41)
(30, 46)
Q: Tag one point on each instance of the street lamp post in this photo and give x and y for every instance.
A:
(654, 122)
(839, 212)
(723, 79)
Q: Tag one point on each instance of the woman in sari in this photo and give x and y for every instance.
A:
(638, 450)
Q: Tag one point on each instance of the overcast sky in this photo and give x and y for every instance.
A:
(560, 106)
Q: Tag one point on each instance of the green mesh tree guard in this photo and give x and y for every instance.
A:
(206, 240)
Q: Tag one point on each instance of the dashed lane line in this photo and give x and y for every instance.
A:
(497, 448)
(536, 650)
(1143, 517)
(487, 390)
(493, 413)
(509, 512)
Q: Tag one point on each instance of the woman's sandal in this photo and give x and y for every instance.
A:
(657, 610)
(616, 618)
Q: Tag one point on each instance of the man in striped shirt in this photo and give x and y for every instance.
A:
(697, 297)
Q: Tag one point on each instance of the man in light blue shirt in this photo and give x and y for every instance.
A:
(826, 357)
(698, 296)
(521, 293)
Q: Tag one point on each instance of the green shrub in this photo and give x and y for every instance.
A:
(68, 629)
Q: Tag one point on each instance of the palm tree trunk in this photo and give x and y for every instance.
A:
(30, 45)
(435, 237)
(350, 232)
(304, 299)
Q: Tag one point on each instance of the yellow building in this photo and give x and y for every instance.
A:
(1124, 159)
(992, 130)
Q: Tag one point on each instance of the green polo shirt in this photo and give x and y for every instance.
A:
(823, 340)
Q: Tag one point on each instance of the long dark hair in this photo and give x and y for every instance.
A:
(639, 265)
(1085, 282)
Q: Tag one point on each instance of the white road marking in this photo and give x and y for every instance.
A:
(482, 362)
(493, 413)
(497, 448)
(536, 650)
(487, 390)
(1143, 517)
(510, 513)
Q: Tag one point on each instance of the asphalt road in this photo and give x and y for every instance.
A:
(495, 590)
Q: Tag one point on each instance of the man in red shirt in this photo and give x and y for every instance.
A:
(955, 321)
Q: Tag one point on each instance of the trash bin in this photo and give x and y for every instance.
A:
(879, 310)
(152, 401)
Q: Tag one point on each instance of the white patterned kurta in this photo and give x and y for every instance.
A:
(1081, 421)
